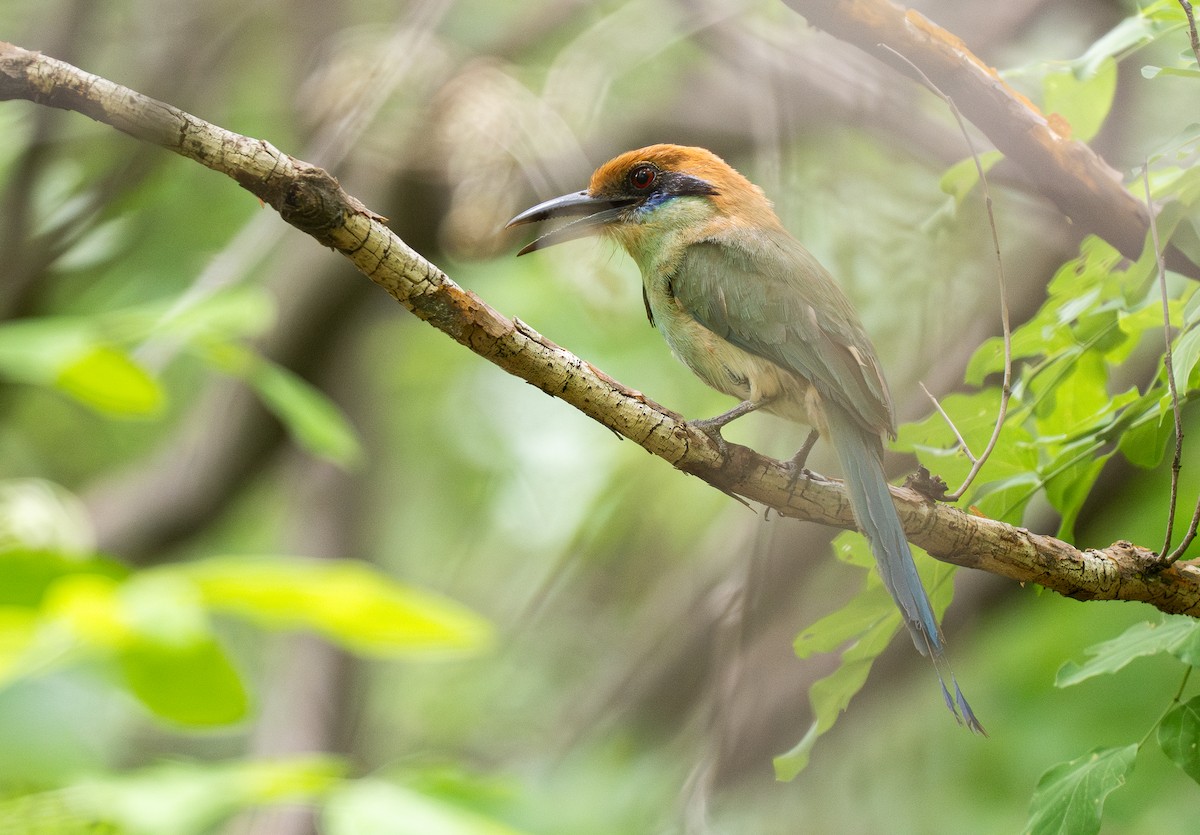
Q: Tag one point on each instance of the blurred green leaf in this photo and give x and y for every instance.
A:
(1082, 98)
(1139, 641)
(960, 178)
(831, 695)
(187, 799)
(1070, 796)
(379, 807)
(309, 415)
(348, 602)
(1137, 30)
(110, 382)
(172, 662)
(1151, 71)
(71, 355)
(27, 574)
(1179, 737)
(192, 683)
(313, 420)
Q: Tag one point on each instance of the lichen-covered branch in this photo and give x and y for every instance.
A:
(310, 199)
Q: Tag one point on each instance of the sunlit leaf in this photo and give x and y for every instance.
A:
(1179, 737)
(110, 382)
(1070, 796)
(346, 601)
(1138, 641)
(383, 808)
(192, 683)
(28, 573)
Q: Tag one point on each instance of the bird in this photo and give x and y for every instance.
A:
(745, 306)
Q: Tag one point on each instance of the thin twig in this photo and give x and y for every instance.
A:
(1187, 10)
(962, 442)
(1006, 389)
(1169, 364)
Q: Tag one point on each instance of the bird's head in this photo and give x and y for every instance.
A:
(641, 196)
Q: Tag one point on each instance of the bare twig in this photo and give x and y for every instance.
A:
(1187, 10)
(1169, 365)
(1006, 389)
(962, 442)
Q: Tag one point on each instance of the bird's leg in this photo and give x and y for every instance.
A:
(796, 465)
(712, 426)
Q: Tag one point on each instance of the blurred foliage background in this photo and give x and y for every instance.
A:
(278, 558)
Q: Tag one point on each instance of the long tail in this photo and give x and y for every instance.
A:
(860, 453)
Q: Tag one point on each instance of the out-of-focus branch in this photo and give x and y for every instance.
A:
(311, 200)
(1084, 187)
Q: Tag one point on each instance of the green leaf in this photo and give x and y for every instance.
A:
(960, 178)
(1007, 498)
(312, 418)
(68, 354)
(375, 806)
(1133, 32)
(194, 799)
(1070, 796)
(1179, 737)
(111, 383)
(171, 661)
(1138, 641)
(789, 764)
(860, 613)
(1151, 71)
(975, 417)
(829, 696)
(1070, 486)
(1083, 99)
(850, 547)
(347, 601)
(1145, 443)
(192, 684)
(1185, 355)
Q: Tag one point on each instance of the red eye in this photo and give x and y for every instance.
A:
(642, 177)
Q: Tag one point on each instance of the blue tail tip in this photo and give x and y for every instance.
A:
(964, 714)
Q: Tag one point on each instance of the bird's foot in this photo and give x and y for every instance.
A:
(796, 468)
(712, 426)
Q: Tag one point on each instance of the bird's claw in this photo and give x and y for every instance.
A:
(712, 428)
(796, 466)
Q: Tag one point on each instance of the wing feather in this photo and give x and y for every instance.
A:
(778, 302)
